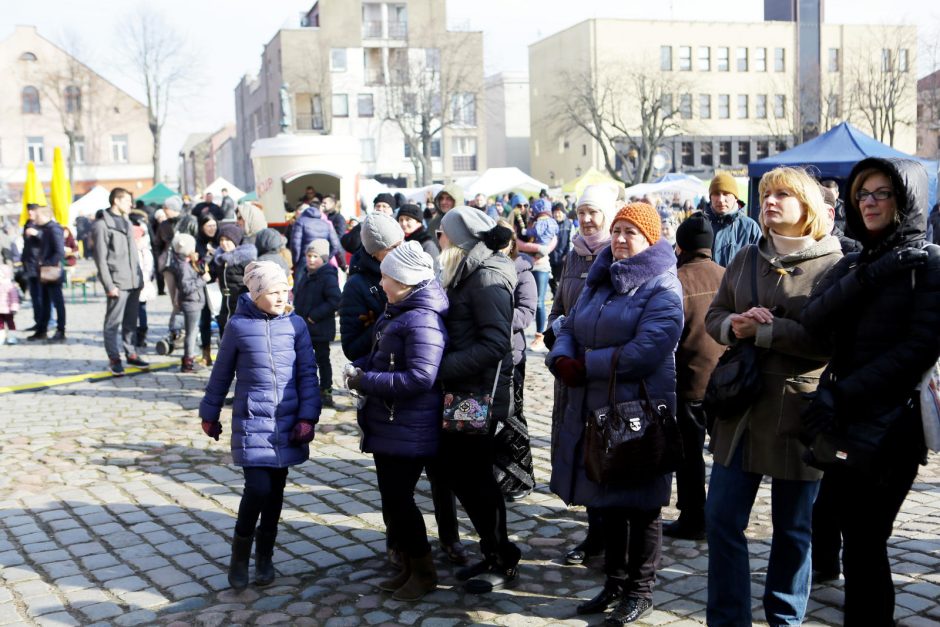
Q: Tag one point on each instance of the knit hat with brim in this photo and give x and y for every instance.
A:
(380, 231)
(643, 217)
(465, 226)
(408, 264)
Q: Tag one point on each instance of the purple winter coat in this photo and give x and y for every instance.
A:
(525, 298)
(636, 304)
(277, 385)
(402, 414)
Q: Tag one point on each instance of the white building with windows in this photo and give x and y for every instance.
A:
(51, 95)
(349, 68)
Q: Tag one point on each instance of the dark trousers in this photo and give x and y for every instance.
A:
(632, 541)
(467, 468)
(398, 477)
(557, 267)
(142, 319)
(827, 532)
(205, 327)
(324, 367)
(51, 296)
(35, 296)
(445, 507)
(690, 478)
(263, 497)
(867, 509)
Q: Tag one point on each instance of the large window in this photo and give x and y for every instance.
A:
(741, 56)
(780, 106)
(119, 152)
(340, 106)
(705, 106)
(364, 105)
(665, 103)
(704, 58)
(723, 62)
(724, 106)
(665, 58)
(760, 59)
(435, 148)
(760, 106)
(464, 109)
(35, 150)
(707, 153)
(337, 59)
(885, 60)
(724, 153)
(780, 60)
(73, 99)
(688, 154)
(744, 152)
(30, 100)
(398, 21)
(685, 58)
(762, 149)
(832, 106)
(685, 106)
(742, 107)
(79, 150)
(902, 60)
(464, 153)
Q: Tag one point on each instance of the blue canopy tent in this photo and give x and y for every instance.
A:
(832, 154)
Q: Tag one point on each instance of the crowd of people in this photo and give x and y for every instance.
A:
(838, 303)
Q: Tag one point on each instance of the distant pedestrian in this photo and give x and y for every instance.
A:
(148, 290)
(228, 265)
(277, 404)
(9, 304)
(189, 291)
(51, 275)
(120, 275)
(316, 300)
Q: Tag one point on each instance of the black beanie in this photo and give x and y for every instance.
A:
(387, 199)
(695, 233)
(411, 211)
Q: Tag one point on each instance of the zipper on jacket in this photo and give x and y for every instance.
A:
(391, 369)
(277, 401)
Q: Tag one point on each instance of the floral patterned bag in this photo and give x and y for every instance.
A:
(470, 412)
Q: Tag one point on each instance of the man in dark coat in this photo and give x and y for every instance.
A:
(695, 359)
(209, 207)
(31, 258)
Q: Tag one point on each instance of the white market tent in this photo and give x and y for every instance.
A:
(216, 187)
(686, 186)
(87, 205)
(500, 180)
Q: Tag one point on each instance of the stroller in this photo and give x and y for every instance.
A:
(169, 343)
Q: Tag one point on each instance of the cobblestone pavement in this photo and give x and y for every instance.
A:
(115, 509)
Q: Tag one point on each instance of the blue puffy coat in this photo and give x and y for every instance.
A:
(402, 414)
(636, 304)
(733, 231)
(362, 303)
(316, 299)
(277, 385)
(308, 227)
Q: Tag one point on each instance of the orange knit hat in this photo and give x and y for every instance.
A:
(644, 217)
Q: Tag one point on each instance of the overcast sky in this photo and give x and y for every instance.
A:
(228, 35)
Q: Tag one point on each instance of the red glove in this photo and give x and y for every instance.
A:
(571, 371)
(302, 433)
(212, 428)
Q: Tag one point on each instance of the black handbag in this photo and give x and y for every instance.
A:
(736, 383)
(633, 441)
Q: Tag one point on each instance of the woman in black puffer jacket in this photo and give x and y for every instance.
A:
(881, 308)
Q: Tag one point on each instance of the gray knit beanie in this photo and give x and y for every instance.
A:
(379, 232)
(465, 226)
(183, 244)
(408, 264)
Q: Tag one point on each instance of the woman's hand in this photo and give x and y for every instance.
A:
(743, 326)
(759, 314)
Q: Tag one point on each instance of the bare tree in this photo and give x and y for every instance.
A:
(427, 90)
(161, 62)
(628, 111)
(882, 84)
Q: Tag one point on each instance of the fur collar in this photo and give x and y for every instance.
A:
(628, 274)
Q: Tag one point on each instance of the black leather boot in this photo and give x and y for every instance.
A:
(609, 594)
(238, 566)
(264, 558)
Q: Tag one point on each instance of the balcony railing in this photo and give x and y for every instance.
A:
(309, 122)
(398, 30)
(465, 163)
(372, 29)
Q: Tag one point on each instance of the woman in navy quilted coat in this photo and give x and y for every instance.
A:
(277, 403)
(631, 302)
(401, 417)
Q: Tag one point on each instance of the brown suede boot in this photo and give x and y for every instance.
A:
(423, 579)
(207, 355)
(396, 582)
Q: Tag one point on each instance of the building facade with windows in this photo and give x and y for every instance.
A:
(928, 116)
(50, 96)
(205, 157)
(736, 92)
(354, 67)
(507, 120)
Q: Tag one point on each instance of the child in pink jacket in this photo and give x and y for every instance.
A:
(9, 304)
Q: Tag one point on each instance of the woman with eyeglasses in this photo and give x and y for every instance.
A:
(881, 310)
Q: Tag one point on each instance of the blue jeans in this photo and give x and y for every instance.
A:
(731, 494)
(541, 283)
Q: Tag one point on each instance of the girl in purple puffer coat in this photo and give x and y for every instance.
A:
(277, 403)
